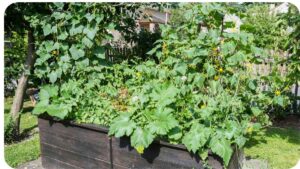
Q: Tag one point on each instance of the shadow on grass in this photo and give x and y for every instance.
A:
(27, 109)
(292, 135)
(256, 139)
(25, 134)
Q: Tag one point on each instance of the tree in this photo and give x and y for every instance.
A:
(13, 22)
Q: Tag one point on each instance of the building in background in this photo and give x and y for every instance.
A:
(151, 18)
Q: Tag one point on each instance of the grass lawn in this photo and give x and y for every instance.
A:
(28, 148)
(280, 147)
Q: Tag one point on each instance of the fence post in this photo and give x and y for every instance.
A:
(296, 99)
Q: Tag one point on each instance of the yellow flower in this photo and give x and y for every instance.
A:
(222, 41)
(138, 74)
(54, 52)
(193, 66)
(140, 149)
(203, 106)
(277, 92)
(221, 70)
(164, 45)
(250, 129)
(216, 77)
(214, 51)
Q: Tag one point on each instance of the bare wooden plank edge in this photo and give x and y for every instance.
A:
(48, 162)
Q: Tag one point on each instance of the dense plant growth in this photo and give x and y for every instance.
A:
(8, 131)
(15, 53)
(200, 90)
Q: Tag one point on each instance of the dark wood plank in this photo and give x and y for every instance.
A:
(73, 131)
(72, 158)
(87, 147)
(156, 156)
(50, 163)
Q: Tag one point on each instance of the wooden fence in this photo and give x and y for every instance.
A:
(265, 68)
(116, 54)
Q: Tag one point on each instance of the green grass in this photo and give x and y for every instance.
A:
(280, 147)
(19, 153)
(28, 148)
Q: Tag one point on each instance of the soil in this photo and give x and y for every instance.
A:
(289, 121)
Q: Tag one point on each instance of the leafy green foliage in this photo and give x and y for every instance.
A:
(162, 121)
(221, 147)
(122, 126)
(14, 57)
(8, 130)
(141, 137)
(196, 137)
(198, 89)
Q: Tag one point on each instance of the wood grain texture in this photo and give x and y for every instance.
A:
(66, 145)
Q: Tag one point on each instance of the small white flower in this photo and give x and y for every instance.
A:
(195, 92)
(135, 98)
(183, 78)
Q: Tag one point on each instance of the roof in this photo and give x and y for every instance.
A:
(154, 16)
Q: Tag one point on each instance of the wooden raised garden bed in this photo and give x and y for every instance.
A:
(67, 145)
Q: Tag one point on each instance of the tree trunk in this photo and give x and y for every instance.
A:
(22, 84)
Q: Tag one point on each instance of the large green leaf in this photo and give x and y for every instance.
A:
(90, 31)
(90, 16)
(40, 107)
(175, 133)
(76, 30)
(221, 147)
(210, 70)
(228, 48)
(53, 76)
(122, 125)
(56, 110)
(279, 100)
(181, 68)
(141, 138)
(162, 121)
(196, 137)
(100, 52)
(237, 58)
(87, 42)
(63, 35)
(76, 53)
(48, 91)
(256, 111)
(47, 29)
(164, 94)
